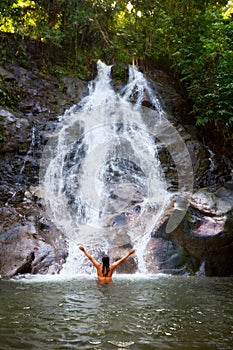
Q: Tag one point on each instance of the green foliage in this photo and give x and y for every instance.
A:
(10, 94)
(206, 69)
(194, 38)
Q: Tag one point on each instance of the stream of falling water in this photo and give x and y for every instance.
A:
(101, 177)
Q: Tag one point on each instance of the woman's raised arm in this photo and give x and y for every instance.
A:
(118, 262)
(94, 262)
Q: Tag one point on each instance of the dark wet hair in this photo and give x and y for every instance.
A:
(105, 266)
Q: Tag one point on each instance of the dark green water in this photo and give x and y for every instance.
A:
(132, 313)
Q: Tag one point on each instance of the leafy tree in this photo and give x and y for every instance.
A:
(191, 38)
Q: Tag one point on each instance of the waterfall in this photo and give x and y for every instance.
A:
(101, 177)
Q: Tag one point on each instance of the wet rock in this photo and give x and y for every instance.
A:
(129, 265)
(6, 75)
(24, 227)
(229, 185)
(27, 266)
(218, 173)
(203, 239)
(167, 256)
(12, 139)
(74, 88)
(26, 247)
(26, 106)
(170, 98)
(8, 115)
(119, 220)
(206, 234)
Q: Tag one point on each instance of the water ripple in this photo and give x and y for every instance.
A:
(165, 313)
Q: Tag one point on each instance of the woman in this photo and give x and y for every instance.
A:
(105, 270)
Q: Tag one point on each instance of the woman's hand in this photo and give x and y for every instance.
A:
(132, 251)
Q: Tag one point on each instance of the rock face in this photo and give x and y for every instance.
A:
(203, 241)
(201, 244)
(29, 242)
(206, 231)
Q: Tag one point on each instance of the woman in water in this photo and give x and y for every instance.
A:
(105, 270)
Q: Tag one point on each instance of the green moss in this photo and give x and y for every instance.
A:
(10, 94)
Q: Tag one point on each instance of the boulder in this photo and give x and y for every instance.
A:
(6, 75)
(206, 232)
(27, 246)
(129, 265)
(14, 132)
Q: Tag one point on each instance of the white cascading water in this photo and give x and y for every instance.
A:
(100, 174)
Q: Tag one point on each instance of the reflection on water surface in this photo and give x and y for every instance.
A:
(131, 313)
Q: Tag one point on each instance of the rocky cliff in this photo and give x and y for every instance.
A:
(30, 243)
